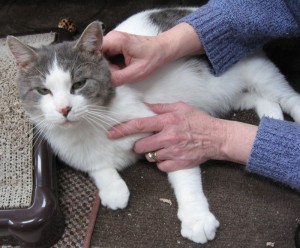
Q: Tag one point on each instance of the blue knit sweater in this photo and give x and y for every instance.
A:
(231, 29)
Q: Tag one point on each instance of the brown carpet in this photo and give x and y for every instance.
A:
(79, 203)
(253, 211)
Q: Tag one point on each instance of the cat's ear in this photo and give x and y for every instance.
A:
(24, 55)
(91, 39)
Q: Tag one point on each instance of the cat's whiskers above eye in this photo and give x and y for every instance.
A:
(74, 64)
(75, 67)
(42, 74)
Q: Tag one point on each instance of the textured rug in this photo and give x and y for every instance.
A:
(79, 202)
(253, 211)
(16, 178)
(77, 194)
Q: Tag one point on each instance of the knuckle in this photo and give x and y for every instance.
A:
(139, 146)
(173, 136)
(169, 139)
(177, 152)
(139, 125)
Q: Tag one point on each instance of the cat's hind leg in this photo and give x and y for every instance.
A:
(113, 191)
(264, 79)
(262, 106)
(197, 222)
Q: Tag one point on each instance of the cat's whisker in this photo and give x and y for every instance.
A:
(103, 110)
(39, 133)
(104, 118)
(39, 72)
(30, 134)
(99, 114)
(96, 124)
(90, 122)
(85, 63)
(99, 120)
(74, 63)
(108, 118)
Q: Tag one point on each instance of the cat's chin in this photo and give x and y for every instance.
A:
(68, 124)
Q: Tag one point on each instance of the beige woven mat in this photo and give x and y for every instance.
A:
(15, 132)
(79, 202)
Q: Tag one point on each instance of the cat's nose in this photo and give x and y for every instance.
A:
(65, 111)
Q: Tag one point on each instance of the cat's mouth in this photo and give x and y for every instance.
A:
(68, 123)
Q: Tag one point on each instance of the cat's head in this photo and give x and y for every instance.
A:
(64, 83)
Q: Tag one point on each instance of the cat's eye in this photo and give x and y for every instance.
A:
(78, 85)
(43, 91)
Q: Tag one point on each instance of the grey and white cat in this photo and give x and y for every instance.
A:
(67, 93)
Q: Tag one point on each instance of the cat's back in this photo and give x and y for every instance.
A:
(154, 21)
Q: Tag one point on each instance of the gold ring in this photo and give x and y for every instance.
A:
(153, 156)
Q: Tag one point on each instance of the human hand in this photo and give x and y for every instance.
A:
(145, 54)
(142, 55)
(183, 136)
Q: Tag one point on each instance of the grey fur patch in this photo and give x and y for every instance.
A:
(167, 18)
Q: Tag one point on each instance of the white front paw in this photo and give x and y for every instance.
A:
(199, 226)
(115, 196)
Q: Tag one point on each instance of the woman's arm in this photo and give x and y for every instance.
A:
(276, 152)
(230, 30)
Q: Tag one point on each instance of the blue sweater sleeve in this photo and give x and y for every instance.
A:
(231, 29)
(276, 152)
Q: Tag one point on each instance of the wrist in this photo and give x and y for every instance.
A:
(238, 141)
(179, 41)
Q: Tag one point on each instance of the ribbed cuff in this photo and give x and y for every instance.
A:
(276, 152)
(216, 36)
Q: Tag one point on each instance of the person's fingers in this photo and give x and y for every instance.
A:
(128, 74)
(160, 155)
(152, 156)
(147, 124)
(113, 43)
(141, 125)
(157, 155)
(160, 108)
(151, 143)
(119, 77)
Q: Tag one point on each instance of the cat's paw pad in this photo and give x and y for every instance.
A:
(115, 196)
(199, 227)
